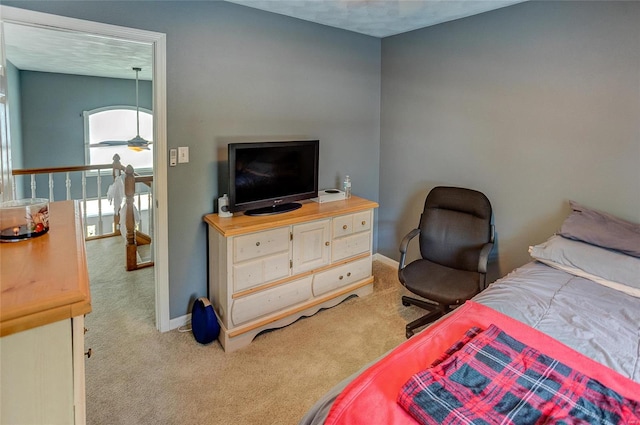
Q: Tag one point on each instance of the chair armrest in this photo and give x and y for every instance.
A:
(404, 245)
(484, 257)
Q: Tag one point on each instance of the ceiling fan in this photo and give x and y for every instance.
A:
(137, 143)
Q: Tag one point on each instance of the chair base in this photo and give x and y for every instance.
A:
(435, 312)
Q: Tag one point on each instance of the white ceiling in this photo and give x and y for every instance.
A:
(48, 50)
(378, 18)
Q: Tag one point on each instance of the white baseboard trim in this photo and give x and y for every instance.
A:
(179, 321)
(386, 260)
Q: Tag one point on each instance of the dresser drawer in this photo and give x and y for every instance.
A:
(265, 269)
(260, 244)
(351, 223)
(341, 276)
(342, 226)
(271, 300)
(350, 245)
(361, 221)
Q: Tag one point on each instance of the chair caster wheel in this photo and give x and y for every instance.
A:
(405, 302)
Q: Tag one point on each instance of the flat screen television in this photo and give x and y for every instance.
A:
(268, 177)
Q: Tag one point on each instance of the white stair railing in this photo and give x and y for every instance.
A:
(96, 212)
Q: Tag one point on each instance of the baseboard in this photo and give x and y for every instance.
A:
(386, 260)
(179, 321)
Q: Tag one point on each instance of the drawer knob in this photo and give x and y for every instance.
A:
(341, 277)
(364, 222)
(348, 274)
(257, 243)
(326, 243)
(89, 353)
(344, 227)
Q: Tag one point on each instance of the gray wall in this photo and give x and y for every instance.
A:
(53, 125)
(52, 106)
(534, 104)
(235, 73)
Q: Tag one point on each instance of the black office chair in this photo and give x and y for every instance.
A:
(456, 237)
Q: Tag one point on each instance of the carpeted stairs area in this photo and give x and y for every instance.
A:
(138, 375)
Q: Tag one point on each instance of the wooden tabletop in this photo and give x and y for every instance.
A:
(240, 223)
(45, 279)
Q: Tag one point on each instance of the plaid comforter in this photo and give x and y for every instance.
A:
(488, 377)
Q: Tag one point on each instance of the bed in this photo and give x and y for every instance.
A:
(576, 305)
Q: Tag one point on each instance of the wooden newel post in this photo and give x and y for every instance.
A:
(116, 167)
(129, 191)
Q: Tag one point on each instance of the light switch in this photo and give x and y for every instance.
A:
(183, 154)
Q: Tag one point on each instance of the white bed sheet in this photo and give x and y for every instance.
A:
(599, 322)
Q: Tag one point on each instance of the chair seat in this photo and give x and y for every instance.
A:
(439, 283)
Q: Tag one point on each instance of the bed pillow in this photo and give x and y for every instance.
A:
(601, 229)
(609, 268)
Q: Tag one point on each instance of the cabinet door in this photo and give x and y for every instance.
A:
(311, 245)
(37, 375)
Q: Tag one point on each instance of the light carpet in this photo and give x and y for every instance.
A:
(138, 375)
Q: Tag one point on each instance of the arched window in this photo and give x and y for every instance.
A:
(118, 123)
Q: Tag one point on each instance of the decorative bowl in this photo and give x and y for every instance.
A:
(23, 219)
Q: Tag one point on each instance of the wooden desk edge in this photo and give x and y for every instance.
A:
(79, 302)
(41, 318)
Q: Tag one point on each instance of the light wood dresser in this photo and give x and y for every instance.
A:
(45, 295)
(268, 271)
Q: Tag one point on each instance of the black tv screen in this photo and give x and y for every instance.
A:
(267, 177)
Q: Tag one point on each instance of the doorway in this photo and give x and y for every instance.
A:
(15, 18)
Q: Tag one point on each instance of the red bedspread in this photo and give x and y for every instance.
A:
(371, 397)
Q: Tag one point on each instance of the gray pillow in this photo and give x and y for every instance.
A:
(602, 229)
(604, 266)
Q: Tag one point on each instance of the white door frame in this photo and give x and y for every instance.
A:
(6, 178)
(157, 41)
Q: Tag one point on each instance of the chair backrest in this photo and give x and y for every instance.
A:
(454, 225)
